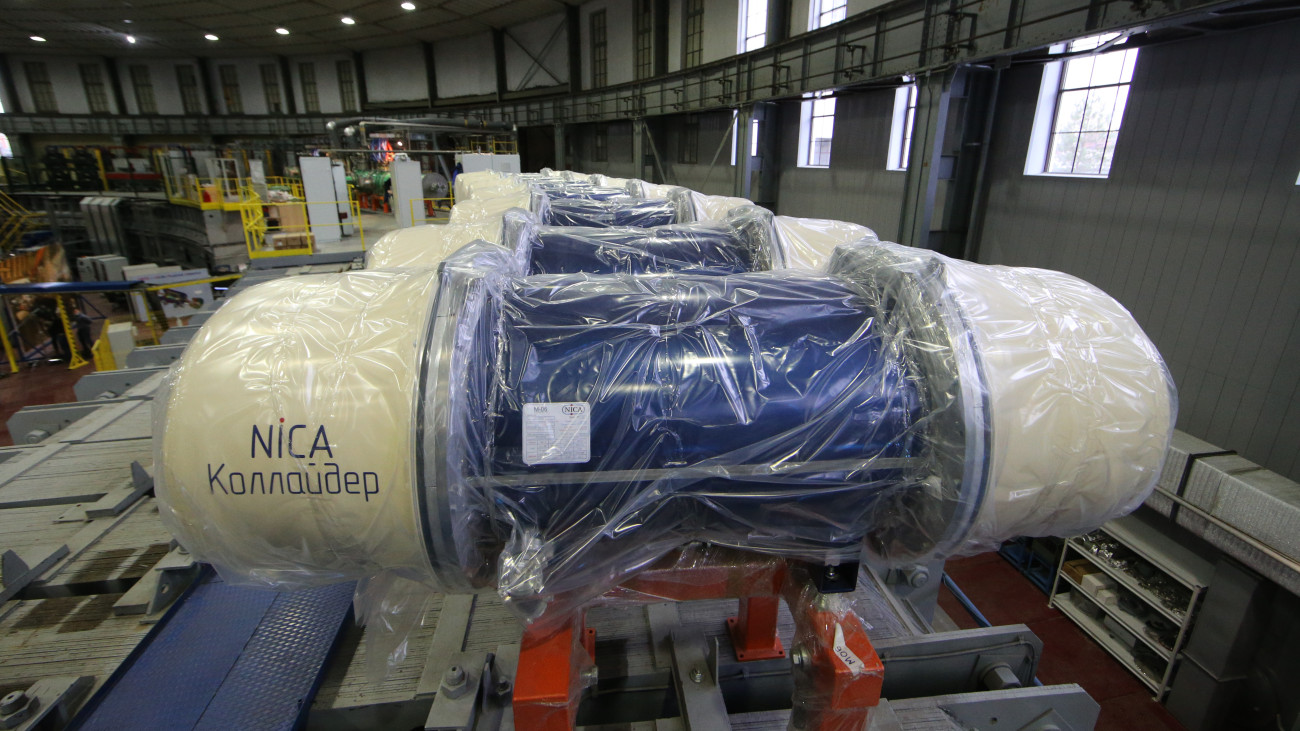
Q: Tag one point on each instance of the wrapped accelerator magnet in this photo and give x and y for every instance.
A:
(549, 435)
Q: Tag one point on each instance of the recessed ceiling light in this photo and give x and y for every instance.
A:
(347, 20)
(38, 39)
(408, 6)
(211, 37)
(282, 31)
(130, 39)
(128, 21)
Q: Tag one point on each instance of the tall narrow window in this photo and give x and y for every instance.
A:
(230, 89)
(900, 133)
(600, 146)
(599, 50)
(189, 86)
(822, 13)
(1081, 106)
(143, 86)
(307, 79)
(92, 78)
(688, 148)
(643, 32)
(347, 86)
(693, 34)
(753, 25)
(271, 87)
(816, 129)
(38, 82)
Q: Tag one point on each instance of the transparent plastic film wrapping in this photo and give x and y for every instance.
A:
(807, 243)
(745, 241)
(284, 438)
(550, 435)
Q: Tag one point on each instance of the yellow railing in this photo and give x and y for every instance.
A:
(431, 210)
(15, 220)
(505, 147)
(102, 352)
(264, 240)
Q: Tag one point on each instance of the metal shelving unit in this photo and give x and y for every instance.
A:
(1141, 541)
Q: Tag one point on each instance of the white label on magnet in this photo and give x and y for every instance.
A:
(846, 656)
(557, 433)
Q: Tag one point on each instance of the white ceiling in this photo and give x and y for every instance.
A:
(247, 27)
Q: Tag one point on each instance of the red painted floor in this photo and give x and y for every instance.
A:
(1005, 596)
(47, 383)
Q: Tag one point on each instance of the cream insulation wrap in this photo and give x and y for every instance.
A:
(283, 447)
(490, 210)
(807, 243)
(715, 207)
(427, 246)
(1082, 405)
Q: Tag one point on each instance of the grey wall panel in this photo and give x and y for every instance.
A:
(395, 74)
(1196, 230)
(856, 187)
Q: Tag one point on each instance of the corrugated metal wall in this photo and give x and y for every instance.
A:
(1196, 231)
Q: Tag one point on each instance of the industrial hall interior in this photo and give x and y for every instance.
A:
(650, 365)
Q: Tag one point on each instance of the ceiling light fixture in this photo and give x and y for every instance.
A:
(408, 6)
(282, 31)
(348, 20)
(38, 39)
(211, 37)
(130, 39)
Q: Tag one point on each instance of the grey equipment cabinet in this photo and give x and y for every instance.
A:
(1135, 590)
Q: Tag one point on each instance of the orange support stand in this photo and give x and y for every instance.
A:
(753, 631)
(837, 673)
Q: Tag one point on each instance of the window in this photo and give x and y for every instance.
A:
(38, 82)
(644, 25)
(688, 148)
(600, 146)
(900, 134)
(599, 50)
(230, 89)
(693, 41)
(143, 86)
(189, 85)
(307, 79)
(347, 87)
(92, 78)
(1080, 108)
(822, 13)
(816, 128)
(753, 25)
(271, 87)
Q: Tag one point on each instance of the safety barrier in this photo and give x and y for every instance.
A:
(273, 229)
(435, 210)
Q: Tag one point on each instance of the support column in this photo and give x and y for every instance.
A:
(359, 68)
(115, 83)
(953, 111)
(430, 72)
(561, 149)
(574, 31)
(638, 149)
(499, 54)
(286, 78)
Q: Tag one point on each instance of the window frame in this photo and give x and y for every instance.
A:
(743, 34)
(271, 88)
(142, 86)
(40, 87)
(187, 81)
(600, 145)
(229, 75)
(688, 145)
(807, 119)
(92, 81)
(310, 91)
(347, 86)
(817, 13)
(903, 128)
(643, 45)
(1048, 109)
(692, 35)
(599, 48)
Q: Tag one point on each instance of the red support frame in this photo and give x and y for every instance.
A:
(838, 675)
